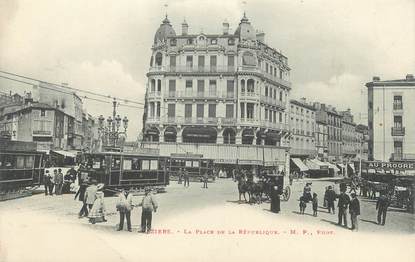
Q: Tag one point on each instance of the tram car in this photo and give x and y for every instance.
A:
(118, 170)
(21, 166)
(194, 164)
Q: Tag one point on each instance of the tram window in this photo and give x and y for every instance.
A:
(154, 165)
(146, 165)
(29, 162)
(20, 162)
(188, 164)
(136, 165)
(116, 163)
(127, 164)
(96, 165)
(195, 163)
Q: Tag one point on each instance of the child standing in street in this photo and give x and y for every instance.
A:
(97, 213)
(303, 205)
(315, 204)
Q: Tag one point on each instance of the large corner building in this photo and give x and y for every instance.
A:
(221, 95)
(391, 104)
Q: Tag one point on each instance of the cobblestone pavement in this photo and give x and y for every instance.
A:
(199, 224)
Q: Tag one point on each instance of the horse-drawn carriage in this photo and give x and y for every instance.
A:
(260, 190)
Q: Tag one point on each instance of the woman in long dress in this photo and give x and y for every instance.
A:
(97, 213)
(275, 200)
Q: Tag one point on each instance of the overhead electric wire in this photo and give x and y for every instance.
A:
(119, 100)
(71, 88)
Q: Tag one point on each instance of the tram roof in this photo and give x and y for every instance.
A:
(148, 153)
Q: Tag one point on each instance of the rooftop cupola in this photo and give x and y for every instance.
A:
(164, 31)
(245, 30)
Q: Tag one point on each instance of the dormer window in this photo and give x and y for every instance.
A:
(231, 41)
(214, 41)
(190, 41)
(173, 42)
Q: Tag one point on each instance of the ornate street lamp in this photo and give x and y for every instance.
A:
(110, 134)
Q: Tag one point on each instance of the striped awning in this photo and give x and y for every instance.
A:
(300, 164)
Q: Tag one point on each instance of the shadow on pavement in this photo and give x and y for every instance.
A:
(237, 201)
(298, 213)
(267, 210)
(333, 223)
(323, 209)
(369, 221)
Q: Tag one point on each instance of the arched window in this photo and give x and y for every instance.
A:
(229, 136)
(151, 61)
(249, 59)
(153, 86)
(266, 91)
(159, 85)
(243, 86)
(159, 59)
(250, 86)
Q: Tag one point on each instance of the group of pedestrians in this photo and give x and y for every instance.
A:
(351, 204)
(308, 197)
(92, 198)
(125, 206)
(54, 181)
(184, 176)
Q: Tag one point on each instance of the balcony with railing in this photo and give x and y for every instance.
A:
(193, 69)
(397, 106)
(272, 101)
(398, 131)
(154, 94)
(210, 94)
(255, 69)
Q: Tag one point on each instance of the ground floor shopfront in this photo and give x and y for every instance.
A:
(228, 156)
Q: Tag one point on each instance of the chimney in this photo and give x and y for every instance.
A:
(409, 77)
(225, 25)
(260, 36)
(185, 27)
(376, 78)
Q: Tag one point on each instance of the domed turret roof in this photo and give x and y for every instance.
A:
(245, 30)
(165, 30)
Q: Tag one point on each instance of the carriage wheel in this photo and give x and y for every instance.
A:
(287, 193)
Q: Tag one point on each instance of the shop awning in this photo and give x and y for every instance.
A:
(316, 164)
(300, 164)
(71, 154)
(332, 166)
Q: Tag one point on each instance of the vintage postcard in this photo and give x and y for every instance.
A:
(193, 130)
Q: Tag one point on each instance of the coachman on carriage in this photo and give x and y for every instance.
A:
(267, 185)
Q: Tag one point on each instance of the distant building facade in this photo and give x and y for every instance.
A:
(50, 116)
(391, 122)
(302, 126)
(321, 132)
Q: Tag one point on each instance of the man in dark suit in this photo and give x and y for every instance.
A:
(382, 207)
(344, 201)
(354, 210)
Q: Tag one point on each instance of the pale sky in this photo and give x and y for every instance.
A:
(333, 46)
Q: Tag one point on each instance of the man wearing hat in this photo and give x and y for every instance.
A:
(330, 196)
(343, 204)
(382, 207)
(148, 205)
(124, 206)
(354, 210)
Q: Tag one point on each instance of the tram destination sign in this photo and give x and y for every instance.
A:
(389, 165)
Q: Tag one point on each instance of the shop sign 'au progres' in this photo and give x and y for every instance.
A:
(389, 165)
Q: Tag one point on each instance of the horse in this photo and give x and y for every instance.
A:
(256, 190)
(243, 188)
